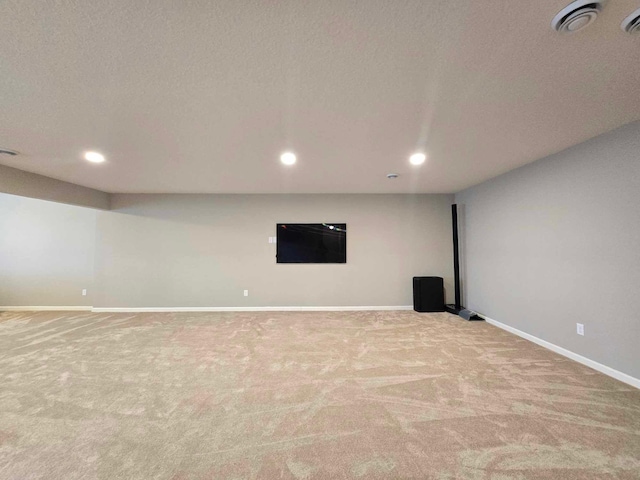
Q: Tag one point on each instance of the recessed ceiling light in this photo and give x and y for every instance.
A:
(577, 15)
(417, 158)
(6, 151)
(631, 24)
(94, 157)
(288, 158)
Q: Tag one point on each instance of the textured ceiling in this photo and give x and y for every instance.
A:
(203, 96)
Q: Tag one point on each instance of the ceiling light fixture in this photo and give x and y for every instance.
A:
(94, 157)
(631, 24)
(417, 158)
(577, 15)
(288, 158)
(6, 151)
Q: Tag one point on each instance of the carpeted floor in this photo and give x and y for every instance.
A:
(301, 396)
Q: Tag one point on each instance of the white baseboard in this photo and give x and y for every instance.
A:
(623, 377)
(250, 309)
(40, 308)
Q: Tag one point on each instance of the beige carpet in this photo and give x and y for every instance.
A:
(301, 396)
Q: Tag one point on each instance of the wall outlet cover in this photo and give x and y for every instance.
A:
(580, 328)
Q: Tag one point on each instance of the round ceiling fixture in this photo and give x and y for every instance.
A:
(577, 15)
(392, 175)
(94, 157)
(6, 151)
(417, 158)
(288, 158)
(631, 24)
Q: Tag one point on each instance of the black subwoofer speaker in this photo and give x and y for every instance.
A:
(428, 294)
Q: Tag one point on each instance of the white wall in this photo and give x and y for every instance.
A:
(557, 242)
(204, 250)
(46, 253)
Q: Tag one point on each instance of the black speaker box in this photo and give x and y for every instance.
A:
(428, 294)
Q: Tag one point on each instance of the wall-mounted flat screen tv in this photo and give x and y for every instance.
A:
(311, 243)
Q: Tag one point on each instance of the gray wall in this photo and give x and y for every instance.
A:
(204, 250)
(557, 242)
(46, 253)
(26, 184)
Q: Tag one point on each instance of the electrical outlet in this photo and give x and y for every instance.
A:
(580, 328)
(246, 293)
(84, 292)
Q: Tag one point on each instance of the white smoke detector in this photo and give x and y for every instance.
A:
(577, 15)
(631, 24)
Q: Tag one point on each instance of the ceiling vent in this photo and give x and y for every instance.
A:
(631, 24)
(576, 15)
(5, 151)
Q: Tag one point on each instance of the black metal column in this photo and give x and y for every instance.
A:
(456, 256)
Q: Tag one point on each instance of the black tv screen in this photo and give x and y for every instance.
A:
(311, 243)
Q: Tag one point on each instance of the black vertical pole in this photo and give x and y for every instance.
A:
(456, 257)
